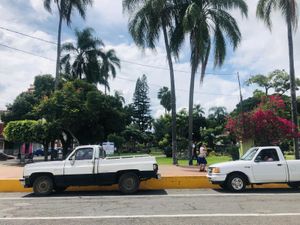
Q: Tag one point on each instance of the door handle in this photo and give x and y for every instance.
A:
(279, 164)
(247, 167)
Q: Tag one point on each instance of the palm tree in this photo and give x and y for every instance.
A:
(81, 61)
(289, 10)
(148, 19)
(164, 95)
(65, 9)
(109, 61)
(208, 23)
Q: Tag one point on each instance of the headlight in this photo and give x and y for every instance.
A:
(216, 170)
(155, 167)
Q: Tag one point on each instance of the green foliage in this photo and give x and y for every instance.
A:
(164, 95)
(141, 105)
(80, 109)
(117, 139)
(278, 80)
(43, 86)
(20, 131)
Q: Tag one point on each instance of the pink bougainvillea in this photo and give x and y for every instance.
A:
(264, 124)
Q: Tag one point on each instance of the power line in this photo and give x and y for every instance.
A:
(179, 89)
(122, 60)
(26, 52)
(164, 68)
(27, 35)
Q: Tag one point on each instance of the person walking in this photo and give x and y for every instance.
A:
(202, 158)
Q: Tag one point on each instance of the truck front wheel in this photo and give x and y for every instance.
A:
(129, 183)
(43, 185)
(236, 183)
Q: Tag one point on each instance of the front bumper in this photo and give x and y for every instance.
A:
(216, 178)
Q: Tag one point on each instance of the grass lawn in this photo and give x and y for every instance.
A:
(210, 160)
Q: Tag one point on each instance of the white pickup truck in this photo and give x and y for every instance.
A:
(88, 165)
(259, 165)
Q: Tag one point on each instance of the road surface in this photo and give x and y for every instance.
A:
(261, 206)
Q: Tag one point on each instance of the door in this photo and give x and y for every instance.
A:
(268, 168)
(79, 169)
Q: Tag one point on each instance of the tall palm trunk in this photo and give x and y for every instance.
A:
(293, 84)
(191, 102)
(173, 96)
(57, 77)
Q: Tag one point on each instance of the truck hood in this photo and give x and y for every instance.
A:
(53, 167)
(229, 164)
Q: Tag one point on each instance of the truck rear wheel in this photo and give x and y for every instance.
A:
(43, 185)
(294, 185)
(236, 183)
(129, 183)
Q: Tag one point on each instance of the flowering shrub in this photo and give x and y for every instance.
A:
(264, 124)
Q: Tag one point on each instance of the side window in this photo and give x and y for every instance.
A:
(268, 155)
(84, 154)
(102, 153)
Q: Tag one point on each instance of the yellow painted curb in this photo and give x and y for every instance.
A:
(181, 182)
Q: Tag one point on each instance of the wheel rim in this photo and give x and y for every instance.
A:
(129, 183)
(237, 183)
(43, 186)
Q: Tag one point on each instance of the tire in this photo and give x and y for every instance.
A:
(43, 186)
(236, 183)
(129, 183)
(223, 186)
(60, 189)
(294, 185)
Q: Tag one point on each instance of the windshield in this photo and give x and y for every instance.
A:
(249, 154)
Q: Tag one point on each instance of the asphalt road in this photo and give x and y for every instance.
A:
(260, 206)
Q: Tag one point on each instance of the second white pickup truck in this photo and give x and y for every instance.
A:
(88, 165)
(259, 165)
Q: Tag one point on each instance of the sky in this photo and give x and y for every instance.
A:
(260, 52)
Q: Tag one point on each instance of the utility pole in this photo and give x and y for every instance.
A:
(241, 103)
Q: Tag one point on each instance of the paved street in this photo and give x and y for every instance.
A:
(264, 206)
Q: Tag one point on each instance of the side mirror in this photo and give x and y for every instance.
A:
(258, 159)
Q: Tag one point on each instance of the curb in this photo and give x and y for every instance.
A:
(180, 182)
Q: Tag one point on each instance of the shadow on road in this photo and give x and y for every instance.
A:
(97, 193)
(263, 190)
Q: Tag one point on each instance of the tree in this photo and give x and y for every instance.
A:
(277, 79)
(141, 105)
(148, 19)
(261, 81)
(109, 62)
(85, 53)
(218, 114)
(65, 10)
(208, 21)
(289, 10)
(83, 113)
(164, 95)
(22, 108)
(43, 86)
(28, 131)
